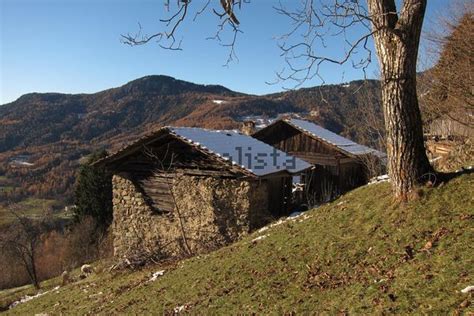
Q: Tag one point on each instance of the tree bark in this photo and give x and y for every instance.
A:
(34, 280)
(397, 39)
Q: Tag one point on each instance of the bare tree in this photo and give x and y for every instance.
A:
(396, 35)
(371, 132)
(22, 239)
(448, 85)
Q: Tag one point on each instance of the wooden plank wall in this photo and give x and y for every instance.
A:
(324, 183)
(279, 195)
(335, 172)
(321, 185)
(157, 189)
(292, 141)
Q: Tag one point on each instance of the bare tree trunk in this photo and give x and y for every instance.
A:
(180, 220)
(34, 273)
(396, 40)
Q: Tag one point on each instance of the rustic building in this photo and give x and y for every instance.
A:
(187, 190)
(446, 127)
(339, 163)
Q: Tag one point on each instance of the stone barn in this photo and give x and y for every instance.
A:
(339, 163)
(181, 191)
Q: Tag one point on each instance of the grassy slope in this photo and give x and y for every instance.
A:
(350, 255)
(31, 207)
(5, 185)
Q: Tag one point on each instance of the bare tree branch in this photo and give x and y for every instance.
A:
(167, 39)
(312, 23)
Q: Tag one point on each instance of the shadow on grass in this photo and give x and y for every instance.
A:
(444, 177)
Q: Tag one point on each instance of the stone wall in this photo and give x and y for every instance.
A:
(209, 213)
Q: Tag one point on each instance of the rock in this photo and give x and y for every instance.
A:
(87, 269)
(428, 245)
(468, 289)
(464, 304)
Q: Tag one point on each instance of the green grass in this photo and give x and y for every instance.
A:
(5, 185)
(6, 188)
(361, 254)
(31, 207)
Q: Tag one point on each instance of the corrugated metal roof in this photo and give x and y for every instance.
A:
(247, 152)
(343, 143)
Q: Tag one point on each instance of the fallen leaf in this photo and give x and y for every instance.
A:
(428, 245)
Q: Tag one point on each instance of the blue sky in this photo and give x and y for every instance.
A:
(73, 46)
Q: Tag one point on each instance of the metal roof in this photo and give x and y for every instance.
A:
(327, 136)
(242, 150)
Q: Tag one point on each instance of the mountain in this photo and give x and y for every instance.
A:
(53, 117)
(47, 133)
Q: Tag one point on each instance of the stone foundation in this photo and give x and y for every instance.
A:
(209, 213)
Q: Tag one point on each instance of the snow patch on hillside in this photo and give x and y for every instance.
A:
(28, 298)
(219, 101)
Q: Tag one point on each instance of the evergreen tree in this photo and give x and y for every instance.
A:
(93, 191)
